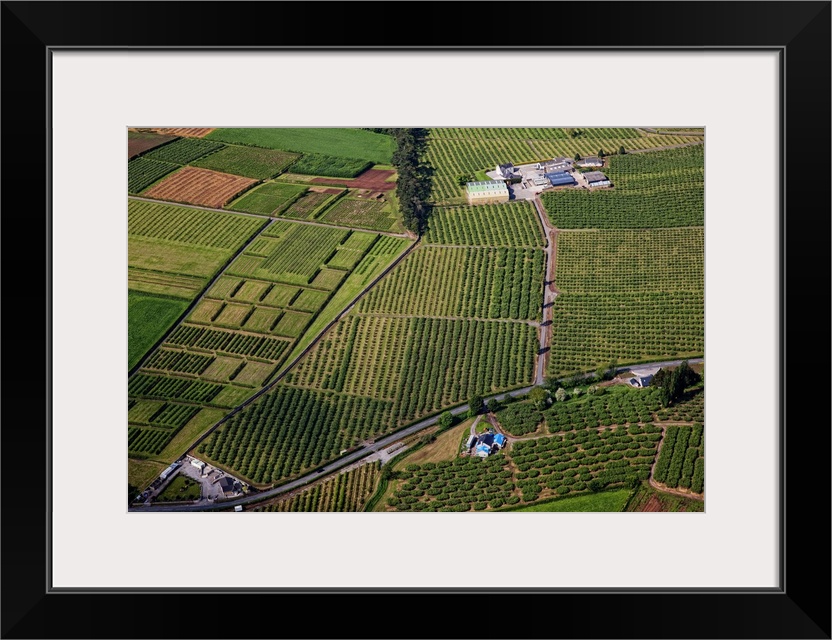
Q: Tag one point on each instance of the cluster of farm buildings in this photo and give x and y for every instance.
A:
(558, 172)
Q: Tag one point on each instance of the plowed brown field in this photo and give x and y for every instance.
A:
(199, 186)
(140, 142)
(188, 132)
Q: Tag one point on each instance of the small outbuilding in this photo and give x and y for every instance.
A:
(483, 450)
(596, 179)
(591, 161)
(500, 440)
(643, 377)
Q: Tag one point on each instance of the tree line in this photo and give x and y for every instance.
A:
(414, 176)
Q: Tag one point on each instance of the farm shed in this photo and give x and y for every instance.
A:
(597, 179)
(470, 442)
(483, 450)
(643, 377)
(199, 464)
(591, 161)
(500, 440)
(559, 178)
(487, 191)
(540, 181)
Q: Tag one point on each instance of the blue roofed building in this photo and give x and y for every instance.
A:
(500, 440)
(483, 450)
(559, 178)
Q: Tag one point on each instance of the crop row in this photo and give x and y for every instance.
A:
(345, 492)
(319, 164)
(184, 150)
(146, 441)
(463, 282)
(681, 463)
(660, 189)
(180, 361)
(689, 408)
(447, 361)
(268, 199)
(200, 186)
(304, 250)
(589, 331)
(530, 470)
(251, 162)
(192, 226)
(142, 172)
(365, 214)
(290, 430)
(631, 260)
(490, 225)
(172, 388)
(188, 335)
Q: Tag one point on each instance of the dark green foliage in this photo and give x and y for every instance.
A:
(318, 164)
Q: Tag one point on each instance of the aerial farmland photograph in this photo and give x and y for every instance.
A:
(416, 319)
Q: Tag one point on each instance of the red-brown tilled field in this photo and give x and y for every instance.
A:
(187, 132)
(139, 142)
(199, 186)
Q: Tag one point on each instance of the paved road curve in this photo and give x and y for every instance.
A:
(351, 458)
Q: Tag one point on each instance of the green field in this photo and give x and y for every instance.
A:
(660, 189)
(463, 282)
(596, 502)
(627, 295)
(319, 164)
(149, 318)
(362, 214)
(143, 172)
(268, 199)
(344, 143)
(488, 225)
(347, 491)
(682, 461)
(533, 472)
(249, 162)
(174, 251)
(184, 150)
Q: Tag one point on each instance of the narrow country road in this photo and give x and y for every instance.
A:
(549, 292)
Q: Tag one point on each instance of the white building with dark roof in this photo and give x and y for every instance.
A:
(596, 179)
(591, 161)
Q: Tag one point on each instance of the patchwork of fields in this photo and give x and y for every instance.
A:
(448, 322)
(459, 315)
(247, 323)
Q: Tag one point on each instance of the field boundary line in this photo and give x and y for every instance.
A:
(288, 367)
(313, 223)
(198, 299)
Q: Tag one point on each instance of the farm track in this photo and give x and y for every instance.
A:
(550, 292)
(264, 217)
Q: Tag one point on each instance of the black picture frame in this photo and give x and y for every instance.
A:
(799, 608)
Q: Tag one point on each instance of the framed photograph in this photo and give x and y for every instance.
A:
(736, 95)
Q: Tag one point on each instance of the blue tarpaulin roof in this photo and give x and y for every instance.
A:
(500, 439)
